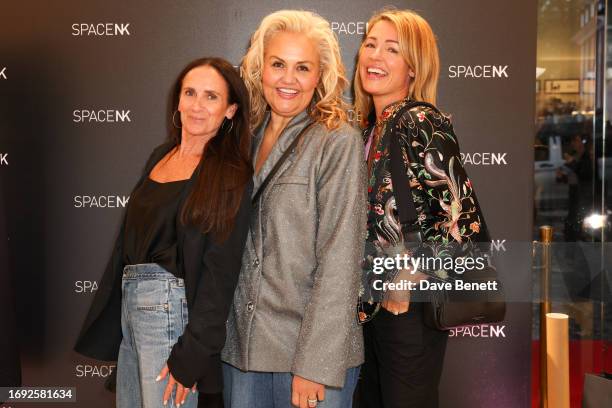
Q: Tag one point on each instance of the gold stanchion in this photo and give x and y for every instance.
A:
(557, 357)
(546, 233)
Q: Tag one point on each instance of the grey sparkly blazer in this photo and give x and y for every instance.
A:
(294, 308)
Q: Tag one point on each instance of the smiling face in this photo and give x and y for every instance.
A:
(204, 102)
(383, 71)
(290, 73)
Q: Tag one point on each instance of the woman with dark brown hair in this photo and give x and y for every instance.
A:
(178, 253)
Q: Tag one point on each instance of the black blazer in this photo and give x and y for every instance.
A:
(211, 273)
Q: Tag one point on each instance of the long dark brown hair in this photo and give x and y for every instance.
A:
(225, 166)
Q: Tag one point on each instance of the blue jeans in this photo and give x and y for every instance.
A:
(273, 390)
(153, 316)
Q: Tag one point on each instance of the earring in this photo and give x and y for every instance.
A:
(231, 121)
(174, 120)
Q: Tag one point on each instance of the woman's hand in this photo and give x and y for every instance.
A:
(303, 390)
(398, 301)
(181, 392)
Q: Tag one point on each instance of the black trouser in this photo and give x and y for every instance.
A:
(403, 361)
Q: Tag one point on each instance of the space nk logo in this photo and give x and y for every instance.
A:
(498, 245)
(349, 27)
(88, 370)
(3, 73)
(85, 286)
(484, 158)
(3, 159)
(480, 331)
(353, 116)
(478, 71)
(100, 29)
(101, 201)
(101, 116)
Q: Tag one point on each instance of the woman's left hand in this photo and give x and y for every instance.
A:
(303, 390)
(181, 392)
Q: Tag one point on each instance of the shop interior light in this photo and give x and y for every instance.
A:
(595, 221)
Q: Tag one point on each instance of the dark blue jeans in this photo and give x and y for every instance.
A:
(273, 390)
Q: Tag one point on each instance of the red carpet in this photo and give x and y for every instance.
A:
(585, 357)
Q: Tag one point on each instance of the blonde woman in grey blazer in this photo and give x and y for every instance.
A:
(292, 333)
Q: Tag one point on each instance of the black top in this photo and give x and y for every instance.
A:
(211, 272)
(150, 225)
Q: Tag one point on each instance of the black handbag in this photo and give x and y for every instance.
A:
(443, 308)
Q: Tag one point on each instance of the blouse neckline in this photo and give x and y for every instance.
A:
(390, 110)
(167, 182)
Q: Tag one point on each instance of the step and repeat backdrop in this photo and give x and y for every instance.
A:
(83, 95)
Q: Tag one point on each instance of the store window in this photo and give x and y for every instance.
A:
(572, 166)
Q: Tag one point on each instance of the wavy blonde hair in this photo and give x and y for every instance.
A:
(418, 47)
(329, 107)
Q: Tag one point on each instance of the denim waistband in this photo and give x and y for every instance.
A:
(148, 271)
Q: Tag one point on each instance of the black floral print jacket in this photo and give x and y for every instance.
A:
(447, 208)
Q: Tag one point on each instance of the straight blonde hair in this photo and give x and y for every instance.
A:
(418, 47)
(329, 107)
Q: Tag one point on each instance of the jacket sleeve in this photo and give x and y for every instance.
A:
(449, 209)
(341, 204)
(196, 357)
(101, 335)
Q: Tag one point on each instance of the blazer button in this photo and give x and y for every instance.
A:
(250, 307)
(256, 262)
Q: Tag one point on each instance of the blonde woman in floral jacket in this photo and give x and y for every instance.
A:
(398, 65)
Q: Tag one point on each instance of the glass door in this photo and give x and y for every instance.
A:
(572, 167)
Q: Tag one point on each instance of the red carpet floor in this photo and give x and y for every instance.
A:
(585, 357)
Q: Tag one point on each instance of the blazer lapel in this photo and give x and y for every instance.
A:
(288, 135)
(293, 129)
